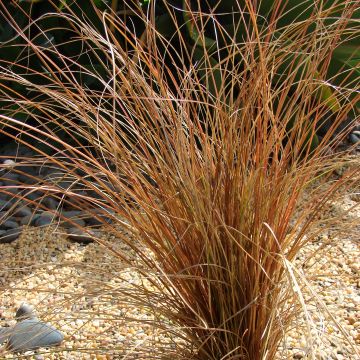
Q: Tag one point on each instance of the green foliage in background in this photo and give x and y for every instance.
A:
(207, 48)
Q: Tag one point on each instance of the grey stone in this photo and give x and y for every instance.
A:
(10, 175)
(13, 190)
(23, 211)
(10, 178)
(14, 149)
(32, 334)
(92, 221)
(43, 219)
(70, 218)
(27, 220)
(73, 222)
(10, 235)
(4, 334)
(354, 139)
(31, 220)
(97, 195)
(72, 213)
(4, 196)
(58, 178)
(5, 204)
(11, 223)
(79, 235)
(34, 195)
(99, 220)
(26, 167)
(50, 203)
(28, 179)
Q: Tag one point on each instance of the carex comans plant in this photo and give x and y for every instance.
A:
(202, 162)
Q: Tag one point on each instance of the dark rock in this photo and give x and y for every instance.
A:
(73, 222)
(43, 219)
(5, 204)
(71, 214)
(354, 139)
(98, 219)
(34, 195)
(51, 170)
(11, 223)
(96, 195)
(10, 178)
(4, 196)
(29, 179)
(27, 220)
(14, 191)
(27, 168)
(328, 119)
(82, 236)
(32, 334)
(92, 221)
(14, 149)
(10, 235)
(149, 179)
(60, 179)
(74, 217)
(23, 211)
(50, 203)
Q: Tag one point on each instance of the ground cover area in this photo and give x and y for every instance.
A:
(75, 288)
(78, 288)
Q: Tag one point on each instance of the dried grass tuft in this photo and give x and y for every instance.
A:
(207, 178)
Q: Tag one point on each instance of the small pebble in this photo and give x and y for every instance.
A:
(25, 311)
(9, 163)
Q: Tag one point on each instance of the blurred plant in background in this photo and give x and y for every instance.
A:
(219, 33)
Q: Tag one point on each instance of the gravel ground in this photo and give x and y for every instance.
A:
(73, 287)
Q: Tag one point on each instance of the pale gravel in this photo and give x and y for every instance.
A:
(66, 283)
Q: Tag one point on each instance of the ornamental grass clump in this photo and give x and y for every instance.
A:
(202, 151)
